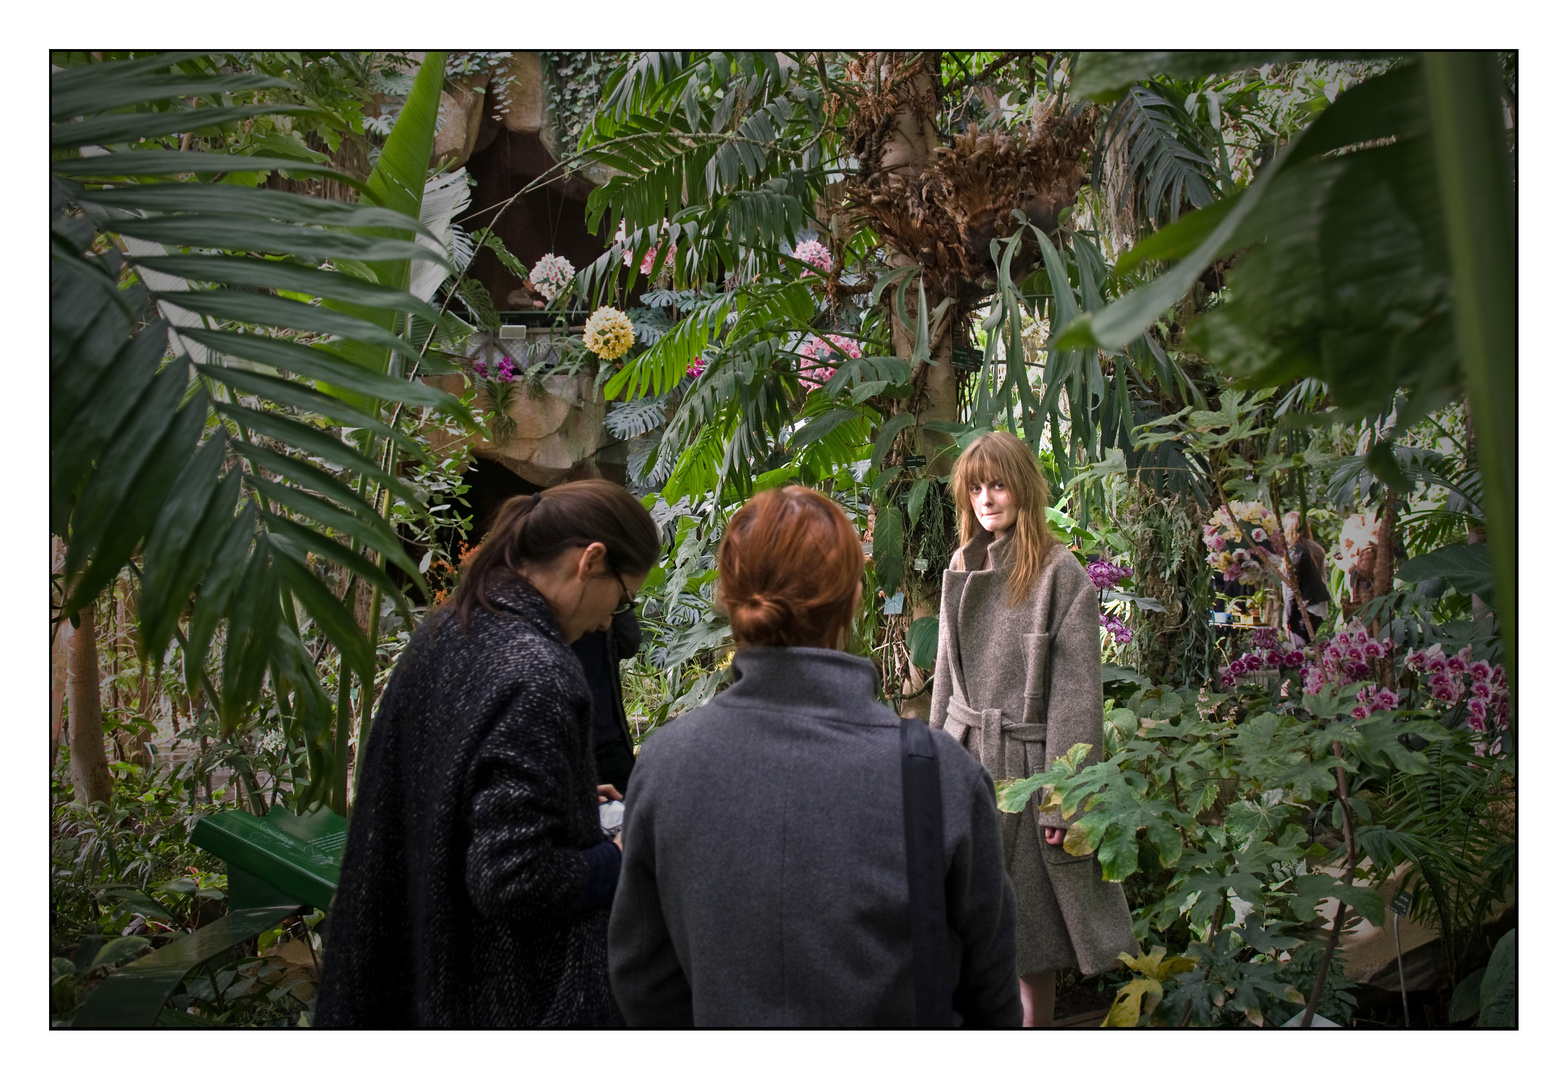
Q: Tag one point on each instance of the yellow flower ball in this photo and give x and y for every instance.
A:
(608, 333)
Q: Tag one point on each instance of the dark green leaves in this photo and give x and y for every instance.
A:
(1467, 567)
(1103, 76)
(144, 458)
(887, 548)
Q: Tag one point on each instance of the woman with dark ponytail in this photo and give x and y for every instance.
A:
(766, 882)
(476, 884)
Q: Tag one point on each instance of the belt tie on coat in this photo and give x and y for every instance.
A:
(1009, 749)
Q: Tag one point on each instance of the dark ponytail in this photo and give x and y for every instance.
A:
(537, 528)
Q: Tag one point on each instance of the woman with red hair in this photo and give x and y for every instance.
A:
(764, 882)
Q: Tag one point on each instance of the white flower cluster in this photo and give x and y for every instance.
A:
(551, 275)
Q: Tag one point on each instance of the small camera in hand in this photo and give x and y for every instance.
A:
(611, 815)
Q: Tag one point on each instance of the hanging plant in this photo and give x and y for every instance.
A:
(551, 275)
(608, 333)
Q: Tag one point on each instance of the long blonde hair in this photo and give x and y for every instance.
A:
(999, 455)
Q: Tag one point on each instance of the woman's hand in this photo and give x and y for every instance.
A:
(1054, 837)
(608, 792)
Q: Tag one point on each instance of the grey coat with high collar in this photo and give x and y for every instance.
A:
(764, 881)
(1018, 686)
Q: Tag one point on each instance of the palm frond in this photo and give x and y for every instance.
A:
(188, 418)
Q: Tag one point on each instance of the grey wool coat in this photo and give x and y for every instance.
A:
(1018, 686)
(764, 880)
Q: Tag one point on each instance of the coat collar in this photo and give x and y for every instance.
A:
(1000, 547)
(513, 595)
(801, 680)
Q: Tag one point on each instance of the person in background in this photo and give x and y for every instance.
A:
(1017, 682)
(476, 882)
(765, 882)
(1304, 614)
(600, 652)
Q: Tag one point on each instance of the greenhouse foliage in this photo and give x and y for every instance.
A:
(1211, 289)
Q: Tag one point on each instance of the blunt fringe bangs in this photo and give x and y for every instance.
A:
(1002, 456)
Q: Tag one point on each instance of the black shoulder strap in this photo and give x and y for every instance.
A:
(927, 872)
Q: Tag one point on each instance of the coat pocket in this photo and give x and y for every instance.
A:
(1037, 665)
(1057, 855)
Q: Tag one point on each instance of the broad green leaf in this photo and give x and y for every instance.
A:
(1103, 76)
(922, 641)
(887, 548)
(118, 950)
(1499, 993)
(1467, 567)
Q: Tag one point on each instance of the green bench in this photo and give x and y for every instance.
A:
(279, 865)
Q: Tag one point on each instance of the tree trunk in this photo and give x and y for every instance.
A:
(89, 765)
(1383, 574)
(59, 642)
(906, 150)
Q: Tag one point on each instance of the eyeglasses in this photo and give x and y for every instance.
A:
(627, 601)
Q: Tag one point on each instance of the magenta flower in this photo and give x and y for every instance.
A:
(696, 367)
(1481, 691)
(1354, 654)
(1357, 670)
(1253, 661)
(1258, 535)
(1274, 658)
(1444, 692)
(1334, 652)
(1481, 670)
(1117, 629)
(1104, 574)
(1374, 650)
(1385, 699)
(1227, 680)
(1415, 661)
(481, 369)
(1359, 713)
(1295, 658)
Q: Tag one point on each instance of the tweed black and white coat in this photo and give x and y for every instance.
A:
(476, 883)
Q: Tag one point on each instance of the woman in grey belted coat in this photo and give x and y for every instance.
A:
(1018, 683)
